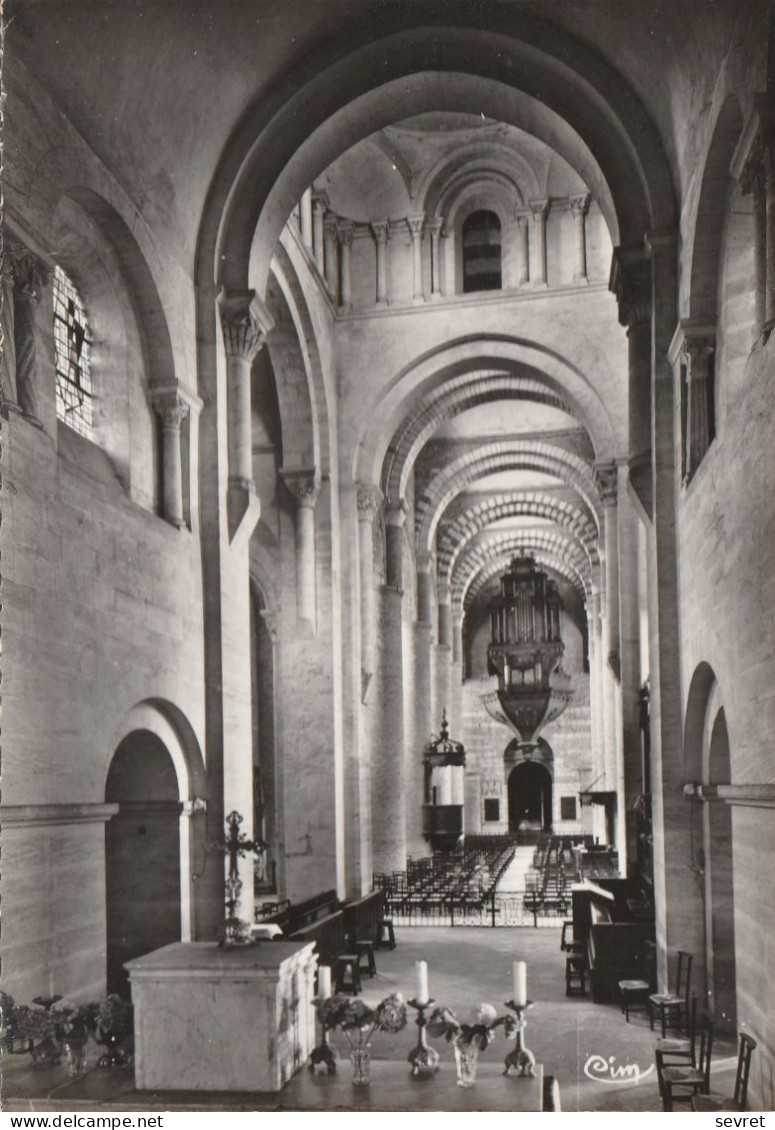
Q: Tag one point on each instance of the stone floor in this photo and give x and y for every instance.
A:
(466, 966)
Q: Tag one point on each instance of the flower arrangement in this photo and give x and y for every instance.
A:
(479, 1031)
(357, 1020)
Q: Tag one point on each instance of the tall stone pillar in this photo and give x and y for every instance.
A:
(677, 897)
(767, 119)
(173, 409)
(698, 353)
(578, 207)
(753, 182)
(629, 645)
(380, 230)
(319, 208)
(607, 481)
(369, 502)
(10, 400)
(304, 485)
(415, 225)
(595, 706)
(434, 227)
(388, 760)
(30, 280)
(540, 210)
(331, 254)
(523, 260)
(306, 219)
(345, 232)
(631, 283)
(443, 659)
(245, 322)
(455, 711)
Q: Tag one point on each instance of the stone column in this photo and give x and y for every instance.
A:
(369, 501)
(456, 678)
(10, 400)
(631, 283)
(523, 262)
(172, 409)
(421, 723)
(752, 182)
(380, 231)
(607, 483)
(698, 353)
(331, 254)
(304, 485)
(345, 233)
(388, 766)
(30, 280)
(245, 322)
(578, 207)
(306, 219)
(540, 210)
(595, 710)
(629, 644)
(415, 225)
(767, 119)
(434, 227)
(319, 207)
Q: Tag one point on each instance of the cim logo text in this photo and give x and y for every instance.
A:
(603, 1070)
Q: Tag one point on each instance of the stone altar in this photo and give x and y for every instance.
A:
(214, 1019)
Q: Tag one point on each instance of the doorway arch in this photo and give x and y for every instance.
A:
(142, 854)
(719, 885)
(530, 797)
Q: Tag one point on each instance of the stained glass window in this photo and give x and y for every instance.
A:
(72, 344)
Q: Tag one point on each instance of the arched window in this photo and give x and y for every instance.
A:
(481, 252)
(71, 344)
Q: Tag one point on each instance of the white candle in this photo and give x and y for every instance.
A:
(422, 995)
(324, 982)
(520, 983)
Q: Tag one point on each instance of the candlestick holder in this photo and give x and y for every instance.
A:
(324, 1054)
(520, 1057)
(423, 1058)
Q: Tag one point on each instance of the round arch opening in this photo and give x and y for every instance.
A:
(142, 854)
(530, 798)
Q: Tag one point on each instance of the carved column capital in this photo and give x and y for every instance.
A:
(270, 623)
(539, 209)
(245, 322)
(319, 202)
(171, 407)
(380, 229)
(579, 205)
(606, 480)
(370, 499)
(415, 224)
(434, 226)
(523, 218)
(752, 178)
(395, 515)
(631, 284)
(331, 226)
(304, 484)
(30, 276)
(345, 232)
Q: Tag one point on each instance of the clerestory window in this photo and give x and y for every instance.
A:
(72, 344)
(481, 252)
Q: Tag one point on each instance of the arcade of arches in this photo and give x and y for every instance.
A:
(422, 289)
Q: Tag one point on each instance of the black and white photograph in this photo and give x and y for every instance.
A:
(387, 558)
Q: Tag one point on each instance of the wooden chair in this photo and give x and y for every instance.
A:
(712, 1101)
(673, 1051)
(679, 1083)
(634, 991)
(673, 1006)
(567, 944)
